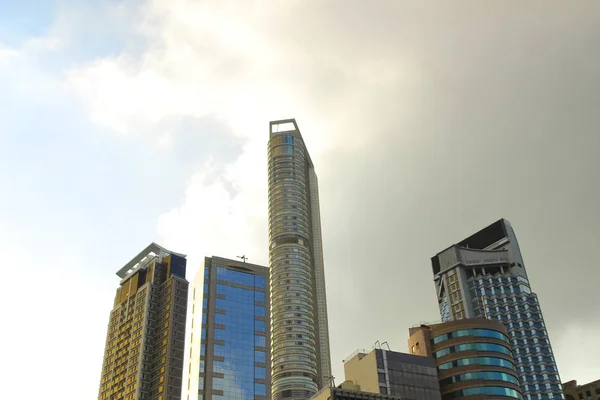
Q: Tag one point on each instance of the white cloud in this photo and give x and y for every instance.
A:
(7, 53)
(450, 83)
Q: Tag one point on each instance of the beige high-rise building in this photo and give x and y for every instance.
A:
(300, 359)
(143, 356)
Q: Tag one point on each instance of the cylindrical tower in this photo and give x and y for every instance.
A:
(473, 356)
(294, 351)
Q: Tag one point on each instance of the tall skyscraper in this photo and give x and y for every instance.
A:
(230, 348)
(299, 333)
(484, 276)
(143, 357)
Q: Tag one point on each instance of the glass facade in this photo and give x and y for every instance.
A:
(234, 336)
(486, 390)
(473, 346)
(486, 376)
(501, 362)
(485, 333)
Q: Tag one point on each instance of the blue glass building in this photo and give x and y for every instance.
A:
(230, 346)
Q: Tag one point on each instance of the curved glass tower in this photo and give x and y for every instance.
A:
(484, 276)
(300, 358)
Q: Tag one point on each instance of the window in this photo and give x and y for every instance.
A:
(259, 326)
(259, 311)
(260, 389)
(490, 391)
(259, 356)
(259, 297)
(260, 341)
(260, 373)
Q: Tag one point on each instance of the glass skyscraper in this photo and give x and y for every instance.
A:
(484, 276)
(230, 348)
(299, 333)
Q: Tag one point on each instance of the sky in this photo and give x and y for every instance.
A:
(127, 122)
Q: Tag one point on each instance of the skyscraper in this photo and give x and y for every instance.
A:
(301, 363)
(230, 349)
(484, 276)
(143, 357)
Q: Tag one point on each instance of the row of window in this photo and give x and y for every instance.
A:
(473, 346)
(490, 391)
(500, 362)
(282, 139)
(240, 278)
(488, 333)
(488, 376)
(230, 388)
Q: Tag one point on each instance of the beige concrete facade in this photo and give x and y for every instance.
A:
(361, 368)
(589, 391)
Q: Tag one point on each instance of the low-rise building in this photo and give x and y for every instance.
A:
(350, 391)
(383, 371)
(589, 391)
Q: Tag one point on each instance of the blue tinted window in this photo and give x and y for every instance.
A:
(259, 326)
(221, 304)
(203, 318)
(259, 356)
(260, 373)
(206, 273)
(470, 332)
(204, 333)
(241, 278)
(219, 350)
(259, 341)
(220, 334)
(202, 349)
(220, 319)
(490, 376)
(260, 281)
(259, 311)
(473, 346)
(260, 389)
(477, 360)
(490, 391)
(205, 303)
(259, 297)
(201, 365)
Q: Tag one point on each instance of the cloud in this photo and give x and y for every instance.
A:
(580, 351)
(425, 123)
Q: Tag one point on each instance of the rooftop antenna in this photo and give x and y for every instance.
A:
(387, 344)
(331, 381)
(377, 343)
(244, 258)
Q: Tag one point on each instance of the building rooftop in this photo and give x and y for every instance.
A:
(152, 251)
